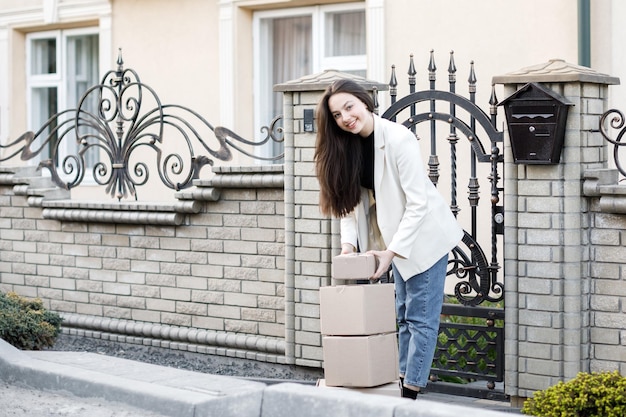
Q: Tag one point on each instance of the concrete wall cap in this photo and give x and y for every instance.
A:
(555, 70)
(321, 80)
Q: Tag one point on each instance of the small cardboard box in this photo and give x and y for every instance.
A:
(353, 266)
(357, 310)
(360, 361)
(391, 389)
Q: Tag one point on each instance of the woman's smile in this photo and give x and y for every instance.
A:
(351, 114)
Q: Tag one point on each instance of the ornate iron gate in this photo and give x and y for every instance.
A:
(471, 336)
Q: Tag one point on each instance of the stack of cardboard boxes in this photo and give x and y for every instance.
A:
(358, 325)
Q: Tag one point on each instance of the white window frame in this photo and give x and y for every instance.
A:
(340, 63)
(57, 80)
(319, 61)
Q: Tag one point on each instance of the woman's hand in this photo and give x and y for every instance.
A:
(347, 248)
(384, 258)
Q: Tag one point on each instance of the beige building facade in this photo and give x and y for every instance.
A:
(221, 58)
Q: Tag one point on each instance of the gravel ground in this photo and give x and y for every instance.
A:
(20, 401)
(216, 365)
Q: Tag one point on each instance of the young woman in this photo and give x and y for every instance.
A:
(371, 175)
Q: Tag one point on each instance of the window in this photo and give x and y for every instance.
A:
(293, 43)
(61, 66)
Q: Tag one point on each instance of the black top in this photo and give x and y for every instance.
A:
(367, 164)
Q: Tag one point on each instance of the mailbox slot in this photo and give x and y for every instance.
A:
(536, 118)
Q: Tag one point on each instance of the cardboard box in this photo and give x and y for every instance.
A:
(357, 310)
(360, 361)
(353, 266)
(391, 389)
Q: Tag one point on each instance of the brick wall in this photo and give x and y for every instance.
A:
(607, 237)
(210, 266)
(308, 237)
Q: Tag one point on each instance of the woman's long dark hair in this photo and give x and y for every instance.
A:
(338, 153)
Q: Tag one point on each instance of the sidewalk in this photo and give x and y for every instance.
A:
(164, 391)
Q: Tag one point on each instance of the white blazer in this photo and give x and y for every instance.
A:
(414, 219)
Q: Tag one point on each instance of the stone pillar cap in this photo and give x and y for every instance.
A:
(321, 80)
(555, 71)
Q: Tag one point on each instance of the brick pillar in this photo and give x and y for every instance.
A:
(311, 239)
(546, 247)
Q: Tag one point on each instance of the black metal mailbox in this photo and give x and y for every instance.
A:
(536, 117)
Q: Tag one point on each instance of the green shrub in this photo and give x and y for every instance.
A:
(26, 324)
(597, 394)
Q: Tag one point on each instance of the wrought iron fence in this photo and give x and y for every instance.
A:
(613, 119)
(121, 118)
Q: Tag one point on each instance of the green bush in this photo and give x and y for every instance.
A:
(597, 394)
(26, 324)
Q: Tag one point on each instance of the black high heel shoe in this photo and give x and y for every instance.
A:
(407, 392)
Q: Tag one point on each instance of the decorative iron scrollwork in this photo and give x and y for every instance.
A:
(118, 117)
(469, 265)
(616, 122)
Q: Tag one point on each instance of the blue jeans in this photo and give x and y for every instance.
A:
(418, 310)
